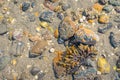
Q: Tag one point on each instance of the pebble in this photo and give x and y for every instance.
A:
(4, 60)
(118, 26)
(25, 6)
(52, 50)
(115, 2)
(41, 75)
(103, 1)
(117, 18)
(60, 16)
(46, 16)
(3, 28)
(117, 9)
(105, 28)
(108, 8)
(65, 6)
(34, 71)
(33, 4)
(103, 19)
(31, 17)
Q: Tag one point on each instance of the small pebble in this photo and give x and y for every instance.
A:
(52, 50)
(41, 75)
(25, 6)
(34, 71)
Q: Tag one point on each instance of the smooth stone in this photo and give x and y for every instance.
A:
(25, 6)
(34, 71)
(3, 28)
(108, 8)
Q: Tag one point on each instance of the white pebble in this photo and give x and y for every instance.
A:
(52, 50)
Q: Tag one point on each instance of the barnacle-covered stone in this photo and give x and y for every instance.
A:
(66, 29)
(71, 59)
(98, 7)
(103, 19)
(46, 16)
(85, 36)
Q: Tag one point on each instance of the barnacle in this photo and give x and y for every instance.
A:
(71, 58)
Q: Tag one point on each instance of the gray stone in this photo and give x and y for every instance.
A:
(4, 60)
(41, 75)
(46, 16)
(34, 71)
(117, 9)
(117, 18)
(3, 28)
(25, 6)
(103, 1)
(114, 2)
(108, 8)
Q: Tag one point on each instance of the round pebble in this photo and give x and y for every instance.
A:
(52, 50)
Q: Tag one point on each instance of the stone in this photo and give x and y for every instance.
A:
(65, 6)
(103, 19)
(85, 36)
(103, 1)
(60, 16)
(114, 2)
(117, 9)
(118, 26)
(46, 16)
(107, 8)
(25, 6)
(112, 40)
(66, 29)
(4, 60)
(3, 28)
(39, 47)
(105, 28)
(41, 76)
(98, 7)
(117, 18)
(34, 71)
